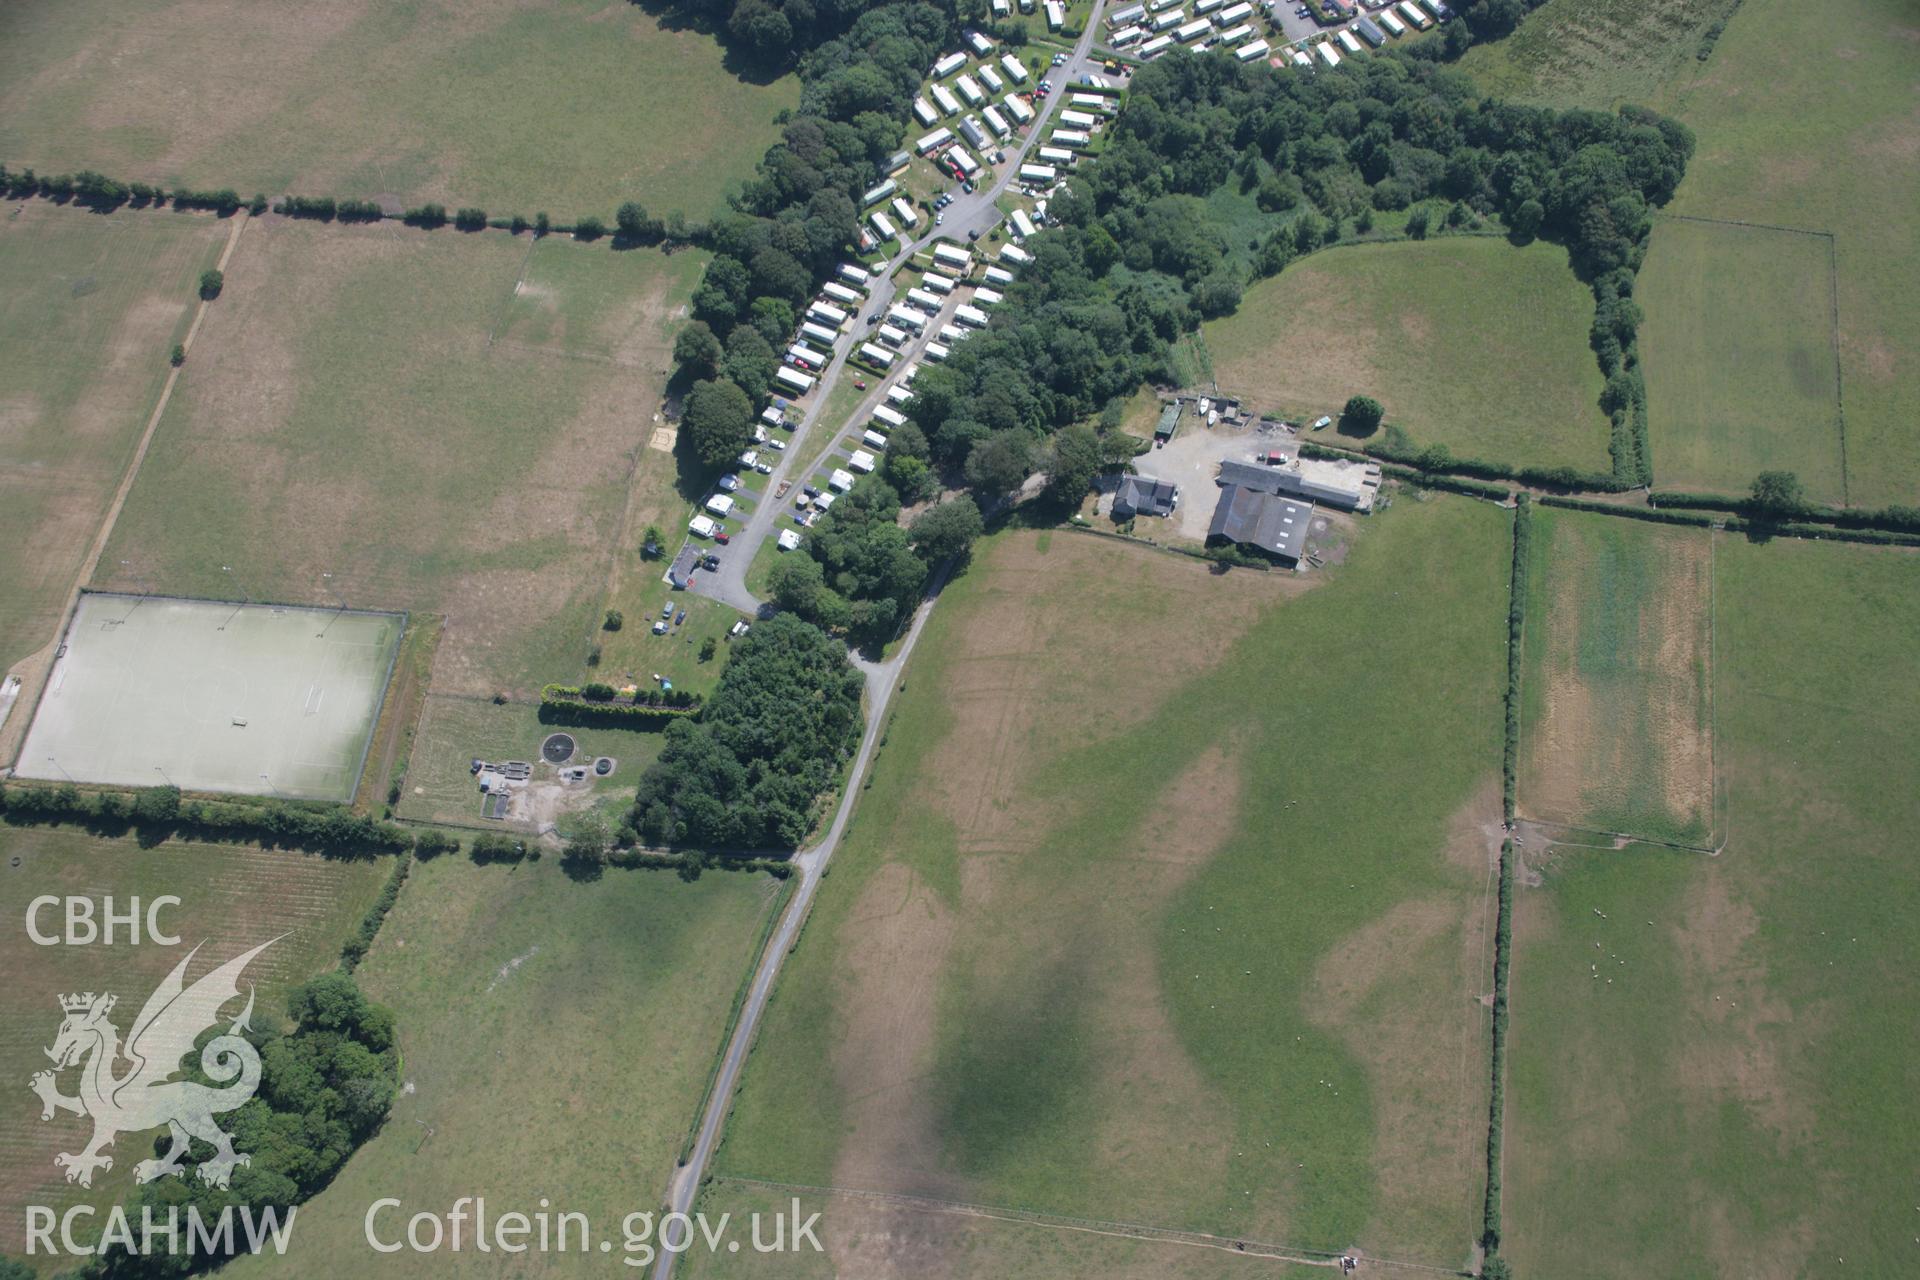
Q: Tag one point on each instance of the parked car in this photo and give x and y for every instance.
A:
(764, 468)
(682, 618)
(777, 446)
(1059, 59)
(711, 562)
(660, 628)
(729, 482)
(939, 218)
(666, 610)
(723, 537)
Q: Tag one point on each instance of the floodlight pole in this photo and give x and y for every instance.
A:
(163, 774)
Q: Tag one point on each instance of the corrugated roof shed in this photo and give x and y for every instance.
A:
(1277, 526)
(1282, 480)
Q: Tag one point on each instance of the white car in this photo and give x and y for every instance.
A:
(777, 445)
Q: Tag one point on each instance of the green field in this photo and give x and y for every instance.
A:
(1082, 953)
(1739, 358)
(570, 106)
(1811, 125)
(1467, 341)
(1617, 706)
(1739, 1099)
(91, 308)
(1595, 53)
(400, 419)
(557, 1035)
(233, 897)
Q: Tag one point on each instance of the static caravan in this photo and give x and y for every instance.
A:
(1328, 54)
(1038, 173)
(949, 64)
(970, 90)
(826, 313)
(877, 355)
(978, 43)
(996, 122)
(1156, 46)
(840, 481)
(1394, 26)
(1300, 60)
(794, 380)
(1155, 6)
(1349, 42)
(997, 276)
(923, 112)
(988, 297)
(891, 336)
(1056, 15)
(1412, 13)
(861, 461)
(840, 293)
(970, 130)
(873, 439)
(1192, 31)
(1203, 7)
(1015, 254)
(1001, 9)
(907, 318)
(1078, 119)
(1438, 9)
(874, 195)
(1131, 14)
(952, 255)
(855, 276)
(951, 333)
(1370, 33)
(938, 351)
(1248, 52)
(995, 82)
(1237, 34)
(814, 331)
(882, 228)
(1017, 105)
(1059, 157)
(1022, 224)
(891, 417)
(932, 142)
(1012, 66)
(898, 392)
(964, 158)
(907, 216)
(907, 377)
(934, 282)
(801, 353)
(1126, 36)
(925, 299)
(1233, 15)
(1070, 137)
(971, 316)
(949, 105)
(1026, 6)
(1169, 20)
(1090, 102)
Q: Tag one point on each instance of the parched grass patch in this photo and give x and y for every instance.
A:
(232, 898)
(571, 106)
(1468, 341)
(557, 1037)
(1595, 53)
(1739, 357)
(1812, 125)
(1110, 937)
(1729, 1096)
(91, 308)
(1617, 692)
(349, 432)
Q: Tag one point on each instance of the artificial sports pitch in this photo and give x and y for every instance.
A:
(212, 696)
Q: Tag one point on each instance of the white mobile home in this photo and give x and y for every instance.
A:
(970, 130)
(1058, 157)
(1038, 173)
(952, 255)
(925, 299)
(1121, 17)
(953, 333)
(1349, 42)
(1155, 6)
(891, 336)
(1203, 7)
(1192, 30)
(1070, 137)
(932, 142)
(891, 417)
(934, 282)
(1001, 9)
(949, 105)
(949, 64)
(907, 216)
(826, 313)
(970, 315)
(1371, 34)
(964, 158)
(997, 275)
(1090, 102)
(1126, 36)
(840, 481)
(796, 381)
(1234, 35)
(994, 81)
(1156, 46)
(970, 90)
(988, 297)
(1412, 13)
(979, 43)
(996, 122)
(874, 195)
(873, 439)
(861, 461)
(1016, 72)
(1437, 9)
(923, 112)
(882, 227)
(877, 355)
(853, 275)
(814, 331)
(1233, 15)
(803, 354)
(907, 318)
(1248, 52)
(1056, 15)
(938, 351)
(898, 392)
(1167, 21)
(1328, 54)
(1018, 106)
(840, 293)
(1022, 224)
(1300, 60)
(1078, 120)
(1015, 254)
(1394, 26)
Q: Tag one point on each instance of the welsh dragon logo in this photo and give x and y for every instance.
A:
(143, 1097)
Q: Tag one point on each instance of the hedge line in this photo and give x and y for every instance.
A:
(1516, 625)
(1906, 519)
(159, 812)
(1437, 459)
(597, 704)
(1650, 514)
(1496, 1105)
(356, 947)
(1740, 524)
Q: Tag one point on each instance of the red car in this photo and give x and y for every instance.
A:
(861, 385)
(723, 537)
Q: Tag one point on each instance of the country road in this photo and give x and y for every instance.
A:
(968, 213)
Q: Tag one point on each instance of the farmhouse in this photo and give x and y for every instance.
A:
(1141, 496)
(1250, 518)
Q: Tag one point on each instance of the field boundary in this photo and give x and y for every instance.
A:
(1246, 1246)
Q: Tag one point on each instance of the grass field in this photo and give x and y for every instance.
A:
(1739, 358)
(1468, 342)
(1812, 125)
(557, 1038)
(232, 898)
(396, 419)
(570, 106)
(1617, 705)
(91, 308)
(1595, 53)
(1738, 1101)
(1089, 948)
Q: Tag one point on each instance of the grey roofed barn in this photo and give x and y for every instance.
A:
(1288, 482)
(1277, 526)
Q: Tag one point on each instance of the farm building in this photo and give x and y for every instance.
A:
(979, 43)
(875, 194)
(796, 381)
(949, 105)
(948, 64)
(1248, 52)
(996, 122)
(1140, 496)
(1022, 224)
(1250, 518)
(1349, 487)
(1056, 15)
(970, 90)
(1012, 66)
(1019, 108)
(877, 354)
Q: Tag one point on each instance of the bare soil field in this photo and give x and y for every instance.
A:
(349, 431)
(1617, 719)
(91, 309)
(570, 106)
(232, 898)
